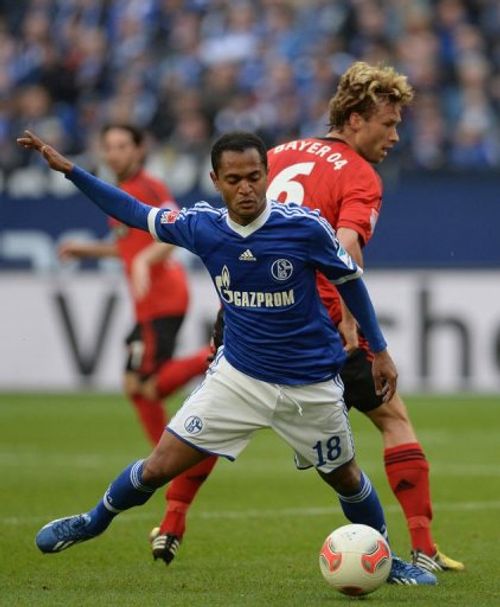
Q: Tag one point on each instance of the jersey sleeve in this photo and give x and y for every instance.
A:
(361, 201)
(356, 296)
(327, 254)
(174, 226)
(110, 199)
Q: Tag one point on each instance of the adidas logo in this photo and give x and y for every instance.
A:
(247, 256)
(404, 485)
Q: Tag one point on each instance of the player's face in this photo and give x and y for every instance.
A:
(241, 180)
(375, 136)
(120, 153)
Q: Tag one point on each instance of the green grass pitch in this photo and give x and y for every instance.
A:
(257, 525)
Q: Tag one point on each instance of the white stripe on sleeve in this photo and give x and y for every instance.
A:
(152, 222)
(347, 278)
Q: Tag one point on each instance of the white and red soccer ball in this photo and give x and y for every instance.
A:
(355, 559)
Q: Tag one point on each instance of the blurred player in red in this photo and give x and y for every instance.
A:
(159, 291)
(335, 174)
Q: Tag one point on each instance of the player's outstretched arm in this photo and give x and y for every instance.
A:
(95, 249)
(111, 200)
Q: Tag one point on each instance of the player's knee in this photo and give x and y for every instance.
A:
(390, 415)
(345, 479)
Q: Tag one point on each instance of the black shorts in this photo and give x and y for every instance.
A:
(151, 343)
(359, 388)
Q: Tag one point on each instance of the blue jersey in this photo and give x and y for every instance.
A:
(276, 328)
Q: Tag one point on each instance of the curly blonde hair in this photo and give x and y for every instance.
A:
(362, 87)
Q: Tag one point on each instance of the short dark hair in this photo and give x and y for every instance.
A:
(137, 134)
(237, 141)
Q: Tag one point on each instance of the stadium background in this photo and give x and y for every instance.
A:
(189, 70)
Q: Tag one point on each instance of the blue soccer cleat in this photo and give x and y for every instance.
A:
(64, 532)
(406, 574)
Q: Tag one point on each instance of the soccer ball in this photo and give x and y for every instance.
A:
(355, 559)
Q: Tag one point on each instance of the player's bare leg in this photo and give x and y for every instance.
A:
(357, 497)
(166, 538)
(394, 423)
(407, 470)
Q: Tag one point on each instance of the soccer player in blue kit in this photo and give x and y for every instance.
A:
(278, 367)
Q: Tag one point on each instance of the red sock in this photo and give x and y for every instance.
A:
(178, 371)
(408, 472)
(180, 493)
(151, 415)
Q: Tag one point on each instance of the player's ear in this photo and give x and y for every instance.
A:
(215, 180)
(355, 121)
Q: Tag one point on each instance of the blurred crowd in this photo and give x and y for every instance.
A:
(190, 69)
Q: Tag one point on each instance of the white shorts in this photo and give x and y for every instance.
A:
(221, 415)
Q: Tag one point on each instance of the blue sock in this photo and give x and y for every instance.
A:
(364, 507)
(126, 491)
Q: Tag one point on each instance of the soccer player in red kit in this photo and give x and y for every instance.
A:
(159, 292)
(335, 174)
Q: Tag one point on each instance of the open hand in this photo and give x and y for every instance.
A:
(55, 160)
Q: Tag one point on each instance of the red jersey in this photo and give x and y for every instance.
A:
(327, 174)
(168, 295)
